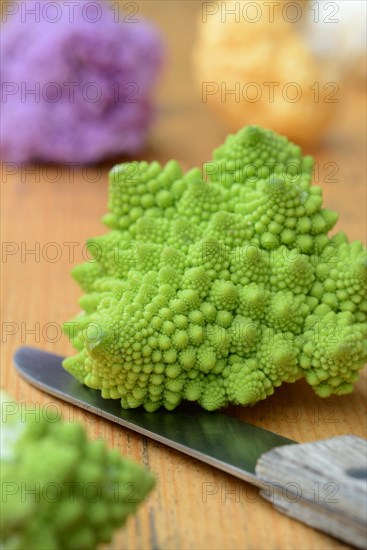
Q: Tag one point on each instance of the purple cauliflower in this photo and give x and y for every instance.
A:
(76, 81)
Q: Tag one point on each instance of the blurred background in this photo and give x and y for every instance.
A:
(296, 67)
(218, 66)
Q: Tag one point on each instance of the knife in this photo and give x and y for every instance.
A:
(323, 484)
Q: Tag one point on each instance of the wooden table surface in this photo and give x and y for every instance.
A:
(38, 295)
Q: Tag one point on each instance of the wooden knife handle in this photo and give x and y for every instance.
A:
(322, 484)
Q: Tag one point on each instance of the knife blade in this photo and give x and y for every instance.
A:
(287, 473)
(216, 439)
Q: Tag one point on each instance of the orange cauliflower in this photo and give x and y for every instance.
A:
(254, 67)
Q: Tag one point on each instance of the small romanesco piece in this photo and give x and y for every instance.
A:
(61, 491)
(219, 291)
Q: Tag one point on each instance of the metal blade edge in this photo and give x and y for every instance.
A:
(211, 437)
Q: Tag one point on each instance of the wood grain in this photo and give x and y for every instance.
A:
(35, 209)
(322, 484)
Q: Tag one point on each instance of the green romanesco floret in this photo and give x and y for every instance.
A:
(219, 291)
(59, 490)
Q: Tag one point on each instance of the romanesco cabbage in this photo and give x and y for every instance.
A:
(59, 490)
(219, 291)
